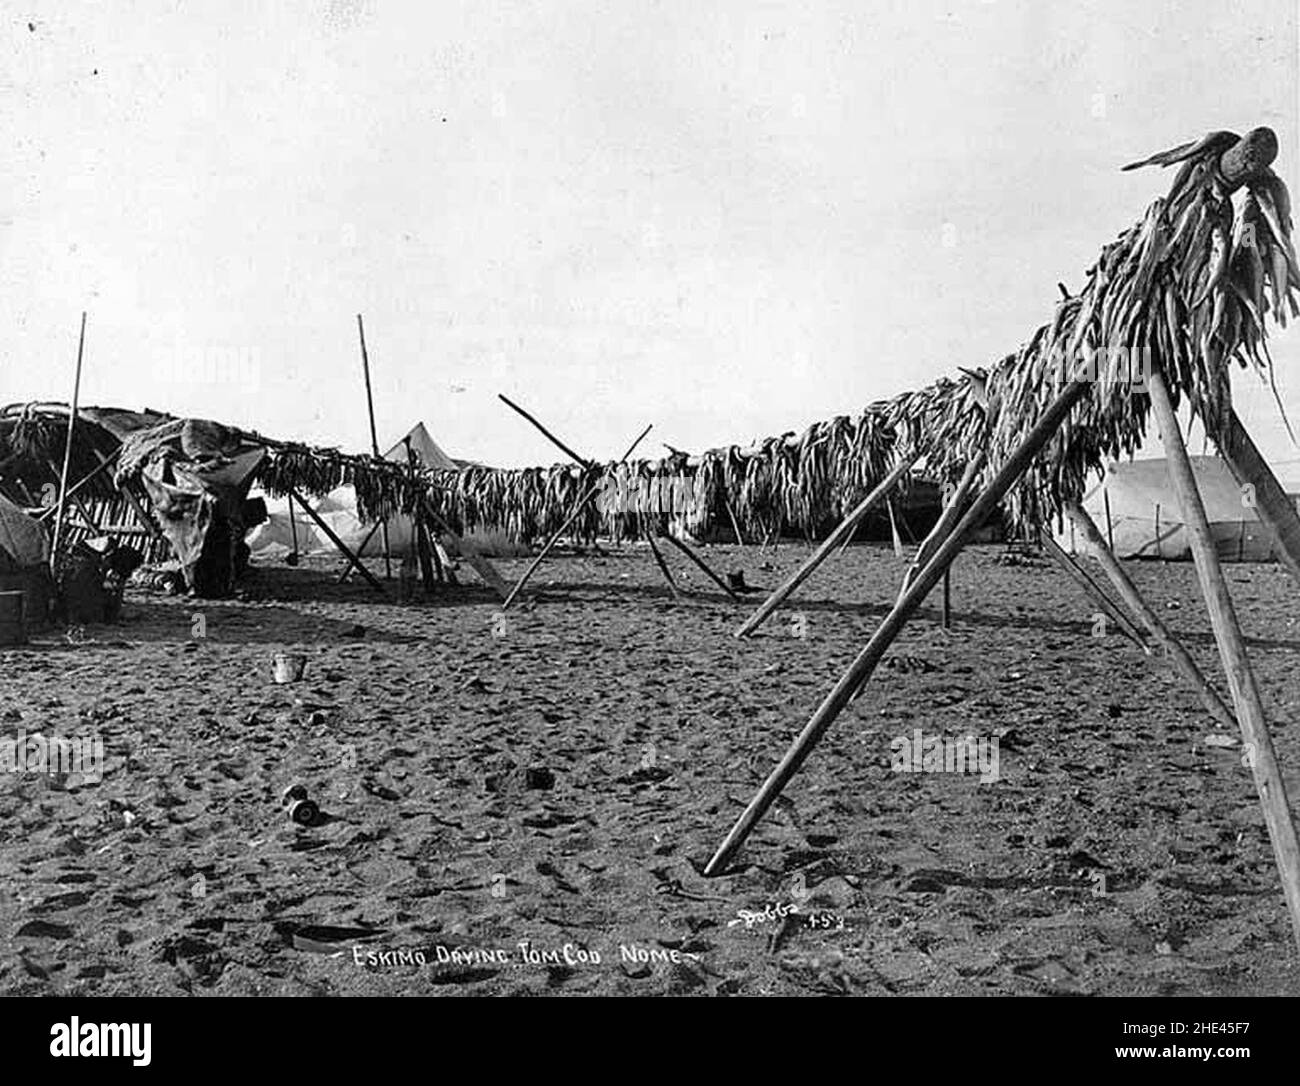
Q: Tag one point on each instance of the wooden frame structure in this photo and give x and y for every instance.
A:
(584, 501)
(1236, 161)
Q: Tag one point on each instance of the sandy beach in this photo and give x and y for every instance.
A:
(523, 804)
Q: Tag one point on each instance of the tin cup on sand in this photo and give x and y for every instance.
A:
(287, 667)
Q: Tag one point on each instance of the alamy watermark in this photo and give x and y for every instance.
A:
(1127, 368)
(55, 755)
(217, 364)
(920, 753)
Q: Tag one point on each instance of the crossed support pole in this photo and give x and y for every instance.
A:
(865, 663)
(1232, 649)
(1128, 592)
(843, 531)
(649, 532)
(1245, 693)
(1081, 577)
(1269, 500)
(583, 501)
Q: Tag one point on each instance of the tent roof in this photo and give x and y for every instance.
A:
(431, 456)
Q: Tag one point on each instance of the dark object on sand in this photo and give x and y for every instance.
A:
(736, 582)
(91, 579)
(538, 777)
(300, 808)
(13, 626)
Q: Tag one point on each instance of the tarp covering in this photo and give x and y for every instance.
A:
(1136, 506)
(23, 543)
(196, 474)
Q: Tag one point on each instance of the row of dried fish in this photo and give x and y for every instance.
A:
(1187, 290)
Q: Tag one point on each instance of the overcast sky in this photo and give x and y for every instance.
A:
(730, 219)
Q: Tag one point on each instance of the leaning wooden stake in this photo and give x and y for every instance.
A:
(374, 439)
(1232, 649)
(590, 464)
(105, 462)
(355, 560)
(701, 564)
(659, 561)
(332, 536)
(293, 529)
(1128, 592)
(735, 525)
(953, 508)
(870, 656)
(576, 512)
(67, 449)
(489, 573)
(893, 531)
(1094, 592)
(845, 529)
(1266, 496)
(547, 433)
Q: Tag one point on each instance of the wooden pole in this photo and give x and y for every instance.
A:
(659, 560)
(848, 538)
(342, 547)
(845, 528)
(480, 563)
(893, 623)
(354, 562)
(90, 522)
(293, 529)
(578, 507)
(1128, 592)
(893, 531)
(374, 438)
(1274, 508)
(1094, 591)
(423, 545)
(105, 462)
(1232, 649)
(943, 527)
(700, 563)
(149, 524)
(735, 525)
(553, 439)
(947, 599)
(1110, 530)
(67, 449)
(590, 464)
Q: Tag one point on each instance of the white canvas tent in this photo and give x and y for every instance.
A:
(273, 539)
(1135, 505)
